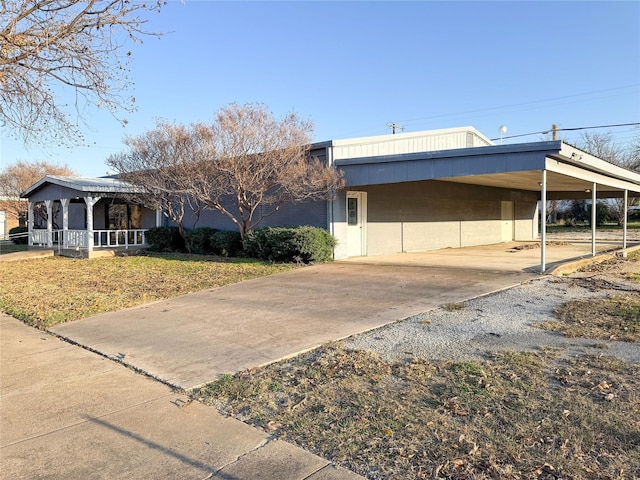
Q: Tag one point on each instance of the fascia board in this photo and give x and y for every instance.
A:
(554, 165)
(593, 163)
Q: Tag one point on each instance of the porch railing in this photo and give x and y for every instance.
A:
(40, 237)
(118, 238)
(80, 238)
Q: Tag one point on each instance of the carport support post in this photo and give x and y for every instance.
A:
(543, 222)
(594, 207)
(625, 206)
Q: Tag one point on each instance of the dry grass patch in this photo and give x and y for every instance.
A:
(44, 292)
(515, 416)
(616, 318)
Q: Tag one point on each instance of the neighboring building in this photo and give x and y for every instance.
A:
(10, 217)
(443, 188)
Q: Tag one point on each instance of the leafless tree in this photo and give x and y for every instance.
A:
(603, 145)
(161, 162)
(49, 46)
(259, 163)
(16, 178)
(246, 164)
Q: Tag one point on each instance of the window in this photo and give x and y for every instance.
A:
(352, 211)
(121, 216)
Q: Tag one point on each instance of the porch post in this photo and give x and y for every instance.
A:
(65, 221)
(543, 222)
(49, 205)
(158, 218)
(625, 205)
(30, 222)
(594, 207)
(90, 201)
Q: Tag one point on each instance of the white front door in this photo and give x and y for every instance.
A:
(507, 221)
(356, 224)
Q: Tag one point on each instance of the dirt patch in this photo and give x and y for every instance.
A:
(533, 246)
(616, 318)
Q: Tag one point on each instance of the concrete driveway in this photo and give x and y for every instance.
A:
(192, 339)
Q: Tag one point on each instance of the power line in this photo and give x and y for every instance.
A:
(552, 99)
(395, 127)
(544, 132)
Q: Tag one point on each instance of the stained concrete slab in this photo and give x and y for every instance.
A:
(69, 413)
(192, 339)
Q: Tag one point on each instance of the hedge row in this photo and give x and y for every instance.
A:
(300, 244)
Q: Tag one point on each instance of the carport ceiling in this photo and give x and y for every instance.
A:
(530, 180)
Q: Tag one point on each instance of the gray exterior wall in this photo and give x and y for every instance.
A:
(53, 192)
(305, 213)
(429, 215)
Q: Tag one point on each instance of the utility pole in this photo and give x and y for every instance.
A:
(554, 131)
(393, 127)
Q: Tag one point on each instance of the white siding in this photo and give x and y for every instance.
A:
(402, 143)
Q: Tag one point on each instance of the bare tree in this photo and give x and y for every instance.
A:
(259, 163)
(603, 145)
(47, 46)
(16, 178)
(245, 165)
(160, 162)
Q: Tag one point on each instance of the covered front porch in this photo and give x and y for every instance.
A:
(82, 216)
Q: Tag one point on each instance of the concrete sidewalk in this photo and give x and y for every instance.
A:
(69, 413)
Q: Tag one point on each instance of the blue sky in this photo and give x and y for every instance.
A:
(352, 67)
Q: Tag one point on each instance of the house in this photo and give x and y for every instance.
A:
(440, 189)
(10, 209)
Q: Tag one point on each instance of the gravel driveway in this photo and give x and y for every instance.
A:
(505, 321)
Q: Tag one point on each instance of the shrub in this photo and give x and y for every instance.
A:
(314, 244)
(165, 239)
(22, 240)
(300, 244)
(269, 244)
(602, 214)
(227, 243)
(199, 240)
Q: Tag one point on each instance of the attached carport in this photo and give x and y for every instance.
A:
(539, 171)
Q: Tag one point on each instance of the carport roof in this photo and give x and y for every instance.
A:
(570, 171)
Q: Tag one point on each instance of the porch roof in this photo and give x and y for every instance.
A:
(102, 185)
